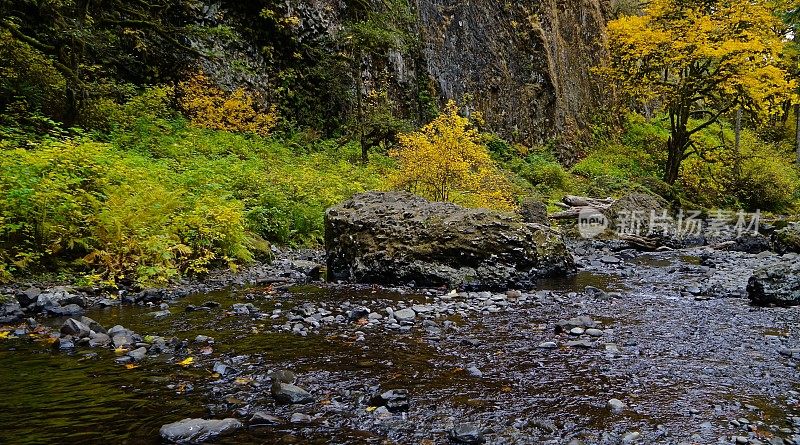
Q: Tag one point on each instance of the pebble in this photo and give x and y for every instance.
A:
(616, 405)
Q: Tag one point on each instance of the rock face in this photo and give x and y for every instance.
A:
(193, 431)
(775, 285)
(524, 65)
(399, 238)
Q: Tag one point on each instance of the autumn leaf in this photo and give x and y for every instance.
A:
(186, 362)
(4, 335)
(131, 366)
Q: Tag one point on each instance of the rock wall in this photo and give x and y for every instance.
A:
(524, 65)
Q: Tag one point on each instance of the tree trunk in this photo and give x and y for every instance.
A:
(676, 145)
(674, 158)
(737, 158)
(797, 131)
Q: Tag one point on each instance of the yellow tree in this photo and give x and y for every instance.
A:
(445, 161)
(698, 60)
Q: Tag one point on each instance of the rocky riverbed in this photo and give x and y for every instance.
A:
(634, 348)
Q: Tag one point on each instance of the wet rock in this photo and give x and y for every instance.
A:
(122, 339)
(70, 310)
(474, 371)
(283, 376)
(300, 418)
(222, 369)
(65, 343)
(195, 431)
(616, 406)
(290, 394)
(548, 345)
(59, 302)
(99, 339)
(398, 238)
(93, 325)
(631, 437)
(576, 331)
(406, 314)
(75, 328)
(158, 315)
(138, 354)
(244, 308)
(594, 332)
(583, 344)
(395, 400)
(777, 284)
(28, 296)
(260, 418)
(10, 312)
(466, 433)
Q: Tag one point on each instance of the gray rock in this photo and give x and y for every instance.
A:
(548, 345)
(260, 418)
(283, 376)
(406, 314)
(28, 296)
(99, 339)
(158, 315)
(594, 332)
(777, 284)
(616, 405)
(398, 238)
(75, 328)
(11, 312)
(93, 325)
(631, 437)
(138, 354)
(576, 331)
(290, 394)
(195, 431)
(395, 400)
(474, 371)
(466, 433)
(300, 418)
(534, 211)
(122, 339)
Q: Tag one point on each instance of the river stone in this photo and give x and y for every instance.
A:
(395, 400)
(93, 325)
(99, 339)
(75, 328)
(194, 431)
(283, 376)
(777, 284)
(405, 315)
(300, 418)
(138, 354)
(616, 405)
(290, 394)
(466, 433)
(260, 418)
(11, 312)
(399, 238)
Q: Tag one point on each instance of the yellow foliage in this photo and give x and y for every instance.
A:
(210, 107)
(444, 161)
(714, 54)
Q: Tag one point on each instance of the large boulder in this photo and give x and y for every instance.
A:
(787, 239)
(777, 284)
(400, 238)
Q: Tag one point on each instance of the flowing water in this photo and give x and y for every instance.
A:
(675, 355)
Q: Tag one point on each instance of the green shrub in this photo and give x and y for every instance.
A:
(160, 199)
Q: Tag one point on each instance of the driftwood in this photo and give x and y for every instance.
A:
(642, 242)
(574, 205)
